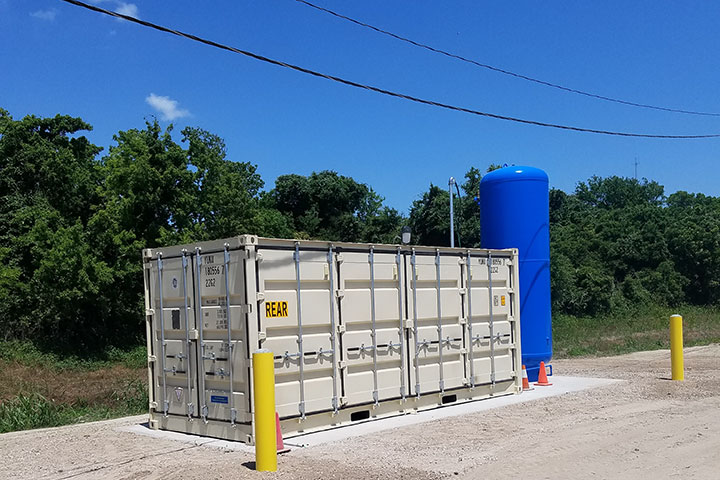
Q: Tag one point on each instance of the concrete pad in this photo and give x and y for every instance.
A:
(145, 430)
(561, 385)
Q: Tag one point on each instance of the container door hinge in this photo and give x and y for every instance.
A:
(339, 293)
(151, 358)
(260, 296)
(341, 329)
(262, 336)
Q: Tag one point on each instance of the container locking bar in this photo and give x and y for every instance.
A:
(373, 334)
(495, 338)
(163, 367)
(198, 315)
(333, 329)
(441, 383)
(470, 318)
(188, 361)
(301, 405)
(443, 341)
(413, 261)
(233, 411)
(492, 322)
(401, 330)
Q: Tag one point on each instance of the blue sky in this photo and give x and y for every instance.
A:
(56, 58)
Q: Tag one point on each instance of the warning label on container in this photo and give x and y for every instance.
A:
(502, 300)
(276, 309)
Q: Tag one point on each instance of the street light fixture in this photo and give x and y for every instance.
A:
(406, 235)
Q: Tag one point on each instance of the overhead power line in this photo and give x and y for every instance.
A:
(370, 87)
(500, 70)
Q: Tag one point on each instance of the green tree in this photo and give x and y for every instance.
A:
(430, 215)
(329, 206)
(612, 246)
(51, 278)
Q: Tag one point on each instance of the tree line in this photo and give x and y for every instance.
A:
(73, 220)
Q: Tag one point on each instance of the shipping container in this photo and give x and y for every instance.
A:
(358, 331)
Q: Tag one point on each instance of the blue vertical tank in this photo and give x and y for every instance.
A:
(514, 213)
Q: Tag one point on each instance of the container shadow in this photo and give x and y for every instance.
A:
(249, 465)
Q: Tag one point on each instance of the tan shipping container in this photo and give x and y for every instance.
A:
(358, 331)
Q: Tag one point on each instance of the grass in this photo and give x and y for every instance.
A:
(28, 411)
(40, 389)
(29, 354)
(643, 329)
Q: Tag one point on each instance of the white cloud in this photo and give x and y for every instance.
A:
(48, 15)
(167, 107)
(129, 9)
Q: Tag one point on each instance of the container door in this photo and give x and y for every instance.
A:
(490, 341)
(435, 305)
(171, 291)
(297, 315)
(222, 339)
(372, 314)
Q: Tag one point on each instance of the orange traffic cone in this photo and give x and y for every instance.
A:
(542, 376)
(278, 436)
(525, 382)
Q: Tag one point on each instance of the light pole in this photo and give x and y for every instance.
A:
(451, 182)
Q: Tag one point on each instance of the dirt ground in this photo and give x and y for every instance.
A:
(66, 386)
(645, 427)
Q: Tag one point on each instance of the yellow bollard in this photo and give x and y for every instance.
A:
(676, 347)
(264, 395)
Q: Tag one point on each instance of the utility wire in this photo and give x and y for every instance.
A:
(371, 88)
(500, 70)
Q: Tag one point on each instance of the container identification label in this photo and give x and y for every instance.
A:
(218, 399)
(276, 309)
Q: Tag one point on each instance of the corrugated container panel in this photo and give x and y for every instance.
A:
(436, 304)
(298, 327)
(358, 331)
(373, 338)
(490, 323)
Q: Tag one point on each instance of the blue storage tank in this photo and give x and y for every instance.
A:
(515, 213)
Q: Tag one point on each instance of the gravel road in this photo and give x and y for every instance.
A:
(644, 427)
